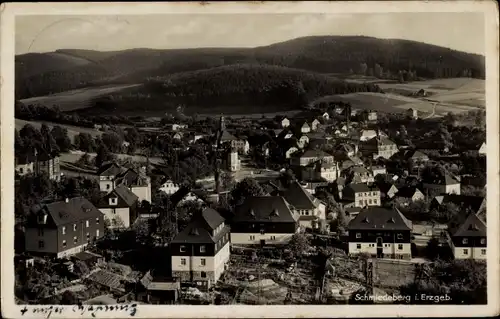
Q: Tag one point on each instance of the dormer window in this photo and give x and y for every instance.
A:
(465, 241)
(392, 221)
(63, 230)
(113, 200)
(74, 227)
(366, 220)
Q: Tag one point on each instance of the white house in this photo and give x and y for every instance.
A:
(381, 233)
(169, 187)
(200, 252)
(468, 238)
(264, 220)
(311, 211)
(119, 207)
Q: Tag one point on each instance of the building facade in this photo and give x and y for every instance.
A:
(201, 251)
(381, 233)
(264, 220)
(63, 228)
(468, 239)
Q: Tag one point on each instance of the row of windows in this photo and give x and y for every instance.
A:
(368, 194)
(87, 225)
(270, 237)
(465, 241)
(203, 248)
(358, 246)
(368, 202)
(398, 236)
(203, 262)
(41, 243)
(303, 211)
(63, 229)
(466, 251)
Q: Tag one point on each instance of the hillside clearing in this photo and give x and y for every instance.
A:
(77, 99)
(72, 130)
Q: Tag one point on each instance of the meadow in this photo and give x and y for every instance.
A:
(72, 130)
(77, 99)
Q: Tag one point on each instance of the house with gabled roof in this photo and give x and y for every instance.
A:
(464, 202)
(361, 194)
(358, 174)
(468, 237)
(409, 194)
(107, 174)
(119, 207)
(168, 187)
(262, 220)
(441, 182)
(311, 211)
(137, 181)
(200, 251)
(379, 146)
(158, 289)
(380, 232)
(482, 149)
(310, 156)
(63, 228)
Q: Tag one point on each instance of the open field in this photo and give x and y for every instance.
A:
(72, 130)
(454, 95)
(77, 99)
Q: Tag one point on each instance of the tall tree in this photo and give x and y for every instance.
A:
(246, 188)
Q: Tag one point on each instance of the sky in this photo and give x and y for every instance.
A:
(46, 33)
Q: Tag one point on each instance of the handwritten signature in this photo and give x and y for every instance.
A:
(93, 310)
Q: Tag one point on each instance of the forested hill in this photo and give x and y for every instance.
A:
(237, 85)
(322, 54)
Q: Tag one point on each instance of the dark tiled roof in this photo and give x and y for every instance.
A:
(315, 153)
(464, 201)
(299, 198)
(380, 218)
(126, 198)
(362, 187)
(110, 169)
(226, 136)
(75, 210)
(200, 228)
(265, 209)
(407, 191)
(471, 226)
(132, 178)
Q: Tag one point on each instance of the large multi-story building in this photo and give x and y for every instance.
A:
(119, 207)
(381, 233)
(361, 195)
(264, 220)
(112, 175)
(200, 251)
(63, 228)
(379, 147)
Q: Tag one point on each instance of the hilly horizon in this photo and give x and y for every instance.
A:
(315, 61)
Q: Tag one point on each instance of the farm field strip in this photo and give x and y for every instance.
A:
(72, 130)
(76, 99)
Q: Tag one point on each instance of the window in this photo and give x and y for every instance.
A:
(64, 244)
(375, 201)
(465, 241)
(97, 233)
(358, 235)
(182, 249)
(400, 236)
(63, 230)
(400, 246)
(360, 203)
(87, 224)
(75, 239)
(483, 241)
(370, 201)
(262, 231)
(307, 212)
(483, 251)
(74, 227)
(41, 244)
(358, 246)
(112, 201)
(88, 236)
(108, 186)
(203, 274)
(97, 221)
(203, 262)
(252, 237)
(466, 251)
(40, 231)
(183, 261)
(203, 249)
(273, 237)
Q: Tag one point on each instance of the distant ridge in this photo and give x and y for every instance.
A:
(320, 54)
